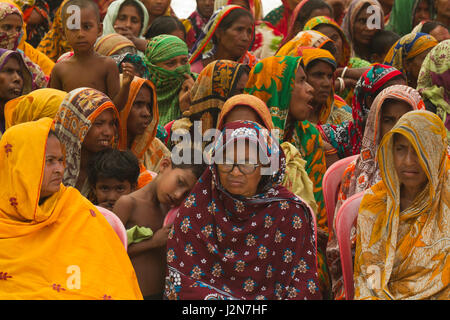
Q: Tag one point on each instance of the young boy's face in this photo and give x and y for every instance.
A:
(108, 190)
(83, 34)
(174, 184)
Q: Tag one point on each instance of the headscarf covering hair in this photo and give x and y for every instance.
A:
(434, 81)
(10, 39)
(402, 15)
(310, 38)
(54, 43)
(167, 82)
(113, 12)
(409, 247)
(315, 22)
(214, 85)
(73, 120)
(204, 47)
(407, 47)
(110, 44)
(354, 9)
(215, 225)
(35, 237)
(36, 32)
(279, 17)
(33, 106)
(5, 55)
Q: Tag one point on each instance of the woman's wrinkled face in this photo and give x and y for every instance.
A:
(235, 181)
(320, 77)
(236, 39)
(422, 12)
(140, 114)
(362, 34)
(407, 164)
(128, 19)
(301, 97)
(53, 169)
(391, 112)
(101, 133)
(334, 35)
(173, 63)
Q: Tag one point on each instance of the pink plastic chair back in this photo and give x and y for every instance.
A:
(170, 216)
(330, 185)
(345, 219)
(116, 224)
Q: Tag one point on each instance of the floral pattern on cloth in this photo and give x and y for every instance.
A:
(231, 247)
(363, 173)
(410, 247)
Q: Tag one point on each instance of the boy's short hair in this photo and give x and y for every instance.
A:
(165, 25)
(196, 168)
(82, 4)
(113, 164)
(382, 41)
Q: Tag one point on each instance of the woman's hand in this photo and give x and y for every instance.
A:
(128, 73)
(159, 238)
(185, 93)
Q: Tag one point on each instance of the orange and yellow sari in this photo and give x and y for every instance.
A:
(62, 248)
(405, 254)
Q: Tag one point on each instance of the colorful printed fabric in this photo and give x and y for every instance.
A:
(279, 17)
(353, 10)
(293, 19)
(310, 38)
(167, 82)
(315, 22)
(73, 120)
(43, 244)
(234, 247)
(409, 248)
(434, 81)
(402, 15)
(194, 25)
(406, 48)
(33, 106)
(346, 138)
(336, 110)
(272, 80)
(363, 173)
(36, 32)
(214, 85)
(204, 47)
(113, 12)
(112, 43)
(141, 145)
(296, 178)
(54, 43)
(138, 63)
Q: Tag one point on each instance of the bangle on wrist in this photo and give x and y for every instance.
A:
(341, 84)
(343, 72)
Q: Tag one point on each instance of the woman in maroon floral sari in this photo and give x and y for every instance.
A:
(240, 234)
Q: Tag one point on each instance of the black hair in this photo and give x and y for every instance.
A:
(315, 62)
(231, 18)
(197, 169)
(82, 4)
(431, 25)
(165, 25)
(330, 47)
(308, 8)
(138, 9)
(113, 164)
(382, 41)
(52, 133)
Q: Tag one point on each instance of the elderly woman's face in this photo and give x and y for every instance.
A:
(54, 168)
(11, 80)
(173, 63)
(240, 180)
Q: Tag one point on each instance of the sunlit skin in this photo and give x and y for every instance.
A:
(410, 173)
(422, 12)
(334, 35)
(53, 169)
(233, 42)
(109, 190)
(320, 77)
(301, 97)
(140, 114)
(128, 19)
(236, 182)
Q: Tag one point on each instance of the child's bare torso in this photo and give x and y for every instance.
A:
(150, 266)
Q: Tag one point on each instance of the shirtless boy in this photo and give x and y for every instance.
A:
(147, 207)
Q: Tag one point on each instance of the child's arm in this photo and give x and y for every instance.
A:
(159, 239)
(55, 80)
(120, 100)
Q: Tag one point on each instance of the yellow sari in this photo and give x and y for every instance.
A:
(37, 104)
(61, 249)
(405, 254)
